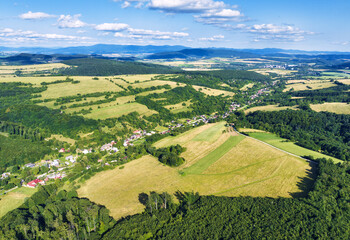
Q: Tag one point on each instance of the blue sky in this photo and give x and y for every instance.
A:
(298, 24)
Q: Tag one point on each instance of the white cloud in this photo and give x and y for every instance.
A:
(219, 16)
(35, 15)
(10, 35)
(112, 27)
(213, 38)
(126, 4)
(185, 6)
(134, 3)
(150, 34)
(68, 21)
(272, 32)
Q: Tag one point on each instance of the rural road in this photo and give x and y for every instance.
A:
(308, 160)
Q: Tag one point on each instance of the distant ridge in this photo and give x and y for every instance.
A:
(164, 50)
(97, 49)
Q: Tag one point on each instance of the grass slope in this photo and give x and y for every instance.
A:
(336, 107)
(14, 199)
(246, 167)
(212, 157)
(288, 146)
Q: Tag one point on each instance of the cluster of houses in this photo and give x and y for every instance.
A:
(137, 135)
(234, 106)
(259, 93)
(109, 147)
(34, 183)
(5, 175)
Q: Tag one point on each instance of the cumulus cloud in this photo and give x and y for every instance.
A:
(213, 38)
(122, 30)
(209, 11)
(134, 3)
(68, 21)
(35, 15)
(185, 6)
(112, 27)
(143, 34)
(272, 32)
(11, 35)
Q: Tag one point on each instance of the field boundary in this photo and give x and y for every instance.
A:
(292, 154)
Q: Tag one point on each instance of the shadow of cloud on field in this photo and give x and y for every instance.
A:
(306, 184)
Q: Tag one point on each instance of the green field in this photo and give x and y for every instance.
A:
(225, 165)
(288, 146)
(14, 199)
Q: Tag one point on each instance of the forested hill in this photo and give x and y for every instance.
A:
(104, 67)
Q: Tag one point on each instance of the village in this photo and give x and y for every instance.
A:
(59, 168)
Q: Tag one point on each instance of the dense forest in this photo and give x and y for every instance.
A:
(323, 131)
(104, 67)
(54, 214)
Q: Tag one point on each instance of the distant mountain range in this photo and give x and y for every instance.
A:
(163, 51)
(96, 49)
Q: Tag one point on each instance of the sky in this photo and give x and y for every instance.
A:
(298, 24)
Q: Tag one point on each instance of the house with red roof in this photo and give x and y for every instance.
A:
(34, 183)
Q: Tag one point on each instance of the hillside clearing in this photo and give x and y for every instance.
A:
(309, 85)
(288, 146)
(119, 110)
(336, 107)
(244, 167)
(14, 199)
(268, 108)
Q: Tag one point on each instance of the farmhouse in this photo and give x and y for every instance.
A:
(33, 184)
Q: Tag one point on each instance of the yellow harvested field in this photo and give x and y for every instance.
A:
(157, 83)
(269, 108)
(62, 139)
(246, 87)
(192, 140)
(248, 169)
(212, 91)
(309, 85)
(119, 110)
(266, 71)
(140, 77)
(249, 130)
(31, 68)
(339, 108)
(86, 85)
(179, 107)
(345, 81)
(14, 199)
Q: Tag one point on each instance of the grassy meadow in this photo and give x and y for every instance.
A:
(268, 108)
(222, 164)
(288, 146)
(336, 107)
(14, 199)
(300, 85)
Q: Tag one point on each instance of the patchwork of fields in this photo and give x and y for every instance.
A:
(218, 162)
